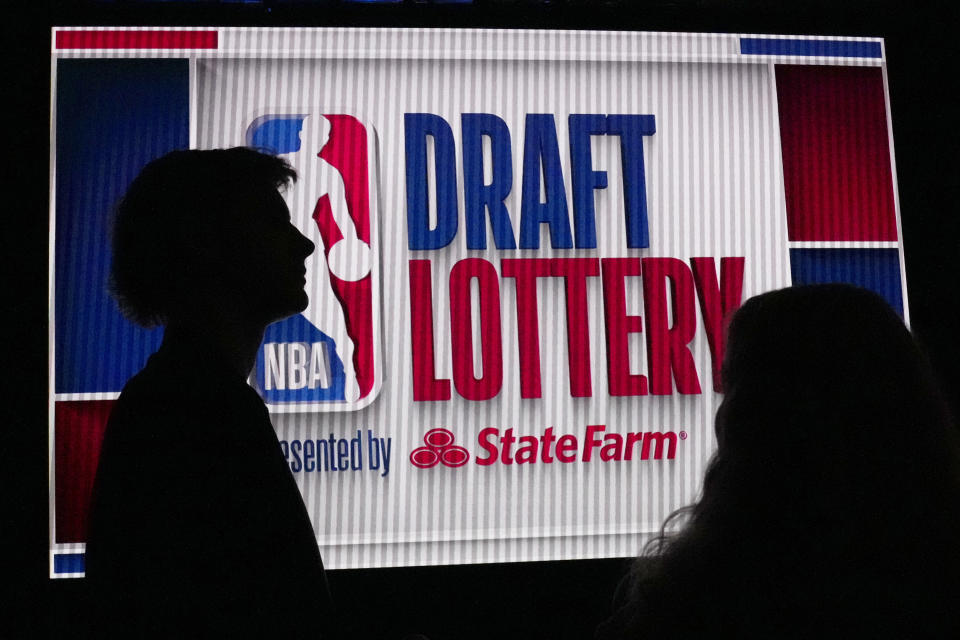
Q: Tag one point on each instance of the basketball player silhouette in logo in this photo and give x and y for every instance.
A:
(319, 209)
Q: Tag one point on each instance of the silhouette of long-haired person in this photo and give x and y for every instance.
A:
(197, 527)
(831, 507)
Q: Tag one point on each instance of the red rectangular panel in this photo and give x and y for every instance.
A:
(79, 427)
(836, 154)
(128, 39)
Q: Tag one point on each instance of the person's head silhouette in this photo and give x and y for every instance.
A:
(202, 232)
(203, 245)
(832, 503)
(314, 135)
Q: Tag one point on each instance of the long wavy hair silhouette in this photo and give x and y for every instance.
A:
(832, 504)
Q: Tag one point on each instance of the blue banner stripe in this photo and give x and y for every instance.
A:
(874, 269)
(68, 563)
(113, 116)
(831, 48)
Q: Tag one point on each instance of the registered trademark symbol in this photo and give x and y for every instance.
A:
(683, 435)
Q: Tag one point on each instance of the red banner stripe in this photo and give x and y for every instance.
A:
(838, 180)
(156, 39)
(79, 427)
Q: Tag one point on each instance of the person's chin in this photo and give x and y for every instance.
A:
(303, 303)
(294, 303)
(299, 301)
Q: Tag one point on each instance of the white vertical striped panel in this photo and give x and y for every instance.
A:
(714, 188)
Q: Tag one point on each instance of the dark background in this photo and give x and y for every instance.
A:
(522, 600)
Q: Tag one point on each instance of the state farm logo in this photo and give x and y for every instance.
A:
(496, 447)
(439, 449)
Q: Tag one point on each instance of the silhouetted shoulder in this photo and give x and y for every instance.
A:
(191, 478)
(161, 416)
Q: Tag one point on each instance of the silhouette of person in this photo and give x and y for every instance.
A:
(348, 259)
(832, 505)
(197, 527)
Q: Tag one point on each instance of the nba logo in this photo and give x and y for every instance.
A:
(327, 358)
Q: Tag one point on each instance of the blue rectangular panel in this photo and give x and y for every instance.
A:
(113, 116)
(874, 269)
(68, 563)
(832, 48)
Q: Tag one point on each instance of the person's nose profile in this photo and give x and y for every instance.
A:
(307, 245)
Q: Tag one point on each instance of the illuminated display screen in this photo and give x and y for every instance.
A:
(527, 244)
